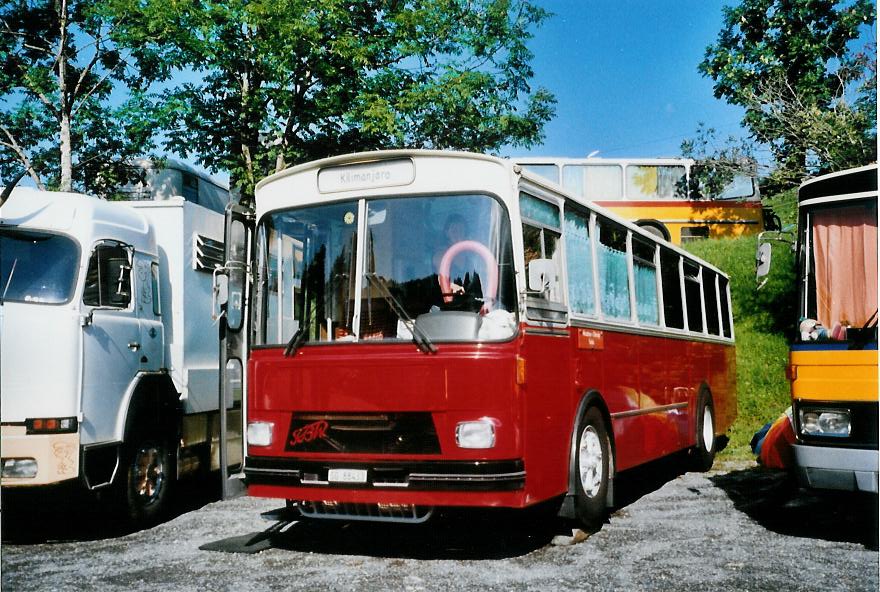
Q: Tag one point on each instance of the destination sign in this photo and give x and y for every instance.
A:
(387, 173)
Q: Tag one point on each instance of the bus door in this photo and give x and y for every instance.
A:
(230, 288)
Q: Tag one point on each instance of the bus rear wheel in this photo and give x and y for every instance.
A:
(703, 452)
(592, 464)
(656, 228)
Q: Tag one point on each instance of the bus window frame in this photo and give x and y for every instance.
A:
(540, 194)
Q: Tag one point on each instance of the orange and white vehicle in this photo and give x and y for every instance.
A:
(662, 195)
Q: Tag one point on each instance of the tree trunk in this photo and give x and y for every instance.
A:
(66, 157)
(66, 183)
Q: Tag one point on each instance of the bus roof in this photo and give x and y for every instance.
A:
(848, 184)
(512, 168)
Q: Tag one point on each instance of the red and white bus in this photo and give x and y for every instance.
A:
(424, 329)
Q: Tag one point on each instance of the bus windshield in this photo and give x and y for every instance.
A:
(37, 267)
(441, 266)
(840, 290)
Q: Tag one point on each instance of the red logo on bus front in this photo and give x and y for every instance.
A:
(309, 433)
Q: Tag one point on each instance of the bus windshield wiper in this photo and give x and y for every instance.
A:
(419, 337)
(296, 340)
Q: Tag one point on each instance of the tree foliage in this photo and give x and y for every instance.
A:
(718, 161)
(278, 82)
(790, 65)
(61, 63)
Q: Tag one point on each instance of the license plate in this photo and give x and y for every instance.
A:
(347, 476)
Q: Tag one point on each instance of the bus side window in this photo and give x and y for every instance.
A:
(725, 306)
(542, 236)
(613, 270)
(693, 297)
(647, 303)
(710, 297)
(579, 261)
(672, 305)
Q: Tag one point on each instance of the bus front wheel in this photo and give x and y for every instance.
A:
(703, 453)
(592, 464)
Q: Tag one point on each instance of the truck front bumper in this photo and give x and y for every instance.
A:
(848, 469)
(29, 460)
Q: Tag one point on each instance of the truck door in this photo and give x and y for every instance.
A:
(149, 314)
(111, 338)
(234, 346)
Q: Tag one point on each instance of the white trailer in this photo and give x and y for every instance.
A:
(108, 354)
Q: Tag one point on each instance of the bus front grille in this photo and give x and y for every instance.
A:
(371, 433)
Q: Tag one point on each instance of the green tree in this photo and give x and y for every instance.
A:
(278, 82)
(61, 62)
(789, 64)
(718, 161)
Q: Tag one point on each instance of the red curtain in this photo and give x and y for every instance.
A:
(845, 253)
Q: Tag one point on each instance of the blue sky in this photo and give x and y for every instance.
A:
(625, 76)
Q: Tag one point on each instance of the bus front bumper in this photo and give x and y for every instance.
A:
(30, 460)
(846, 469)
(433, 483)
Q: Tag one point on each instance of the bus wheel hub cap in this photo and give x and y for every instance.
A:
(590, 461)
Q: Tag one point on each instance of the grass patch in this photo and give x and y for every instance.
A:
(762, 319)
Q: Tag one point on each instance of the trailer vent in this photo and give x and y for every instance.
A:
(207, 253)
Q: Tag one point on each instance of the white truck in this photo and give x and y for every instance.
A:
(108, 354)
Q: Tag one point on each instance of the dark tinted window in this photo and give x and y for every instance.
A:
(692, 297)
(725, 306)
(711, 299)
(672, 307)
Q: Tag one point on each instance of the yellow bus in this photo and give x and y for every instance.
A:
(833, 358)
(661, 195)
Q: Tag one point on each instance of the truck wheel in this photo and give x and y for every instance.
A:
(147, 479)
(592, 462)
(703, 453)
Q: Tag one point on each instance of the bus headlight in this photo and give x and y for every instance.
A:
(825, 422)
(259, 433)
(475, 434)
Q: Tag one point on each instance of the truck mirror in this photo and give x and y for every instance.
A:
(542, 275)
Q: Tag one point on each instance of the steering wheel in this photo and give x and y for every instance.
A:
(488, 258)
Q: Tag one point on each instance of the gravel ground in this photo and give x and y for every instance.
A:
(736, 528)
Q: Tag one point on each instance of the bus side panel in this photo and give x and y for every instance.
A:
(547, 414)
(620, 390)
(666, 429)
(723, 385)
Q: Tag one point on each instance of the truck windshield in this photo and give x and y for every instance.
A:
(37, 267)
(439, 268)
(839, 271)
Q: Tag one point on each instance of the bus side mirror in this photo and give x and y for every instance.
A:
(219, 293)
(542, 275)
(763, 257)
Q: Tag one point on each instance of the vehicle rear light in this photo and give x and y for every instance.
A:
(51, 425)
(259, 433)
(19, 468)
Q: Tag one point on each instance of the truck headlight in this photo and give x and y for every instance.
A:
(825, 422)
(19, 468)
(475, 434)
(259, 433)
